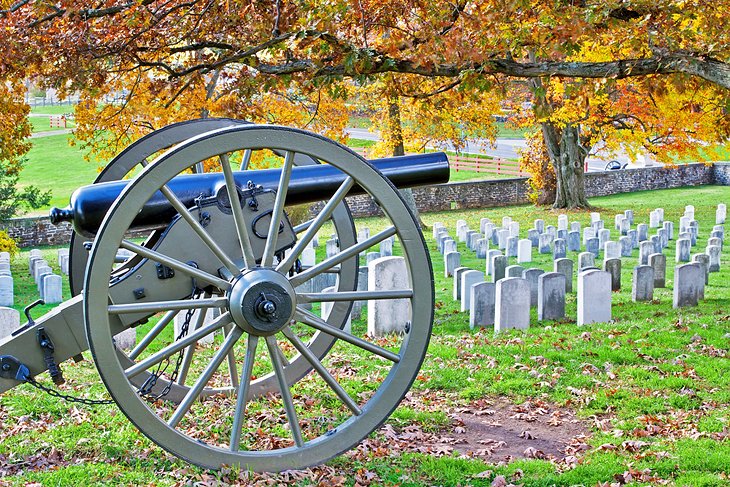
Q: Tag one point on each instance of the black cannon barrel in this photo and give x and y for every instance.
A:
(308, 184)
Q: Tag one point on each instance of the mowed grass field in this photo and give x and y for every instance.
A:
(641, 400)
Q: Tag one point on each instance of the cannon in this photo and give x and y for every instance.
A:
(287, 381)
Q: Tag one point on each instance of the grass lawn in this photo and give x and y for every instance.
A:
(43, 124)
(650, 390)
(53, 109)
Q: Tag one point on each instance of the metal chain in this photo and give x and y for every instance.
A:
(147, 386)
(67, 397)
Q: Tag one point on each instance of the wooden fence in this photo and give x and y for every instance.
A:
(475, 164)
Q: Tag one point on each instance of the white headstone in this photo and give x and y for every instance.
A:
(524, 251)
(9, 321)
(512, 304)
(688, 281)
(468, 279)
(388, 315)
(551, 296)
(52, 286)
(6, 291)
(482, 299)
(594, 297)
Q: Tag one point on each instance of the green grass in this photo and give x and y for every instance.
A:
(503, 130)
(53, 109)
(54, 164)
(654, 374)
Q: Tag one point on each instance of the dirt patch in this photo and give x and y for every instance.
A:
(504, 431)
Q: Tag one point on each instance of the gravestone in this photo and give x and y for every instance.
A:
(551, 296)
(35, 253)
(210, 315)
(657, 242)
(563, 234)
(490, 255)
(435, 229)
(514, 271)
(642, 231)
(512, 246)
(506, 220)
(685, 235)
(586, 259)
(714, 241)
(546, 241)
(6, 291)
(471, 240)
(684, 223)
(611, 250)
(483, 224)
(613, 267)
(482, 248)
(468, 279)
(634, 236)
(502, 236)
(597, 226)
(626, 246)
(595, 216)
(592, 246)
(9, 321)
(629, 214)
(32, 263)
(61, 253)
(565, 267)
(574, 241)
(642, 286)
(688, 280)
(654, 219)
(386, 248)
(489, 231)
(552, 230)
(514, 229)
(603, 237)
(669, 228)
(575, 227)
(714, 251)
(388, 316)
(308, 259)
(624, 226)
(534, 237)
(684, 247)
(362, 285)
(617, 221)
(693, 232)
(40, 270)
(658, 263)
(331, 247)
(559, 249)
(449, 246)
(371, 256)
(457, 282)
(512, 304)
(720, 214)
(704, 261)
(499, 265)
(5, 256)
(52, 285)
(646, 248)
(482, 299)
(531, 276)
(452, 260)
(562, 222)
(588, 233)
(594, 297)
(663, 238)
(540, 226)
(524, 251)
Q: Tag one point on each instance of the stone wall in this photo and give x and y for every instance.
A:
(470, 194)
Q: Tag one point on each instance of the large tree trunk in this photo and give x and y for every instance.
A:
(395, 138)
(568, 157)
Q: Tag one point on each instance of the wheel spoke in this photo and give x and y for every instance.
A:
(198, 229)
(321, 370)
(244, 239)
(232, 371)
(291, 413)
(341, 257)
(303, 226)
(245, 160)
(317, 223)
(190, 350)
(242, 397)
(354, 296)
(278, 210)
(318, 323)
(152, 334)
(200, 384)
(161, 355)
(175, 264)
(158, 306)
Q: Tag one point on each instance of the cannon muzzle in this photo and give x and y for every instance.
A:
(308, 184)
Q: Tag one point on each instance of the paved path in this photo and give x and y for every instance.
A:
(49, 133)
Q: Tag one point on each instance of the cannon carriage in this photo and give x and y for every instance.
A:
(216, 251)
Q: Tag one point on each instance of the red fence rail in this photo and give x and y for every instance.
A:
(475, 164)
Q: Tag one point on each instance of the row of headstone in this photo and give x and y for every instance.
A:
(7, 293)
(49, 285)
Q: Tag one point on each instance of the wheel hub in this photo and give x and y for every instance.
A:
(261, 301)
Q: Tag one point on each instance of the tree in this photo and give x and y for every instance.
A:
(14, 130)
(75, 47)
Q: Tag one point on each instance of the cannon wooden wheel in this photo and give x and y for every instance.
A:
(261, 305)
(137, 154)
